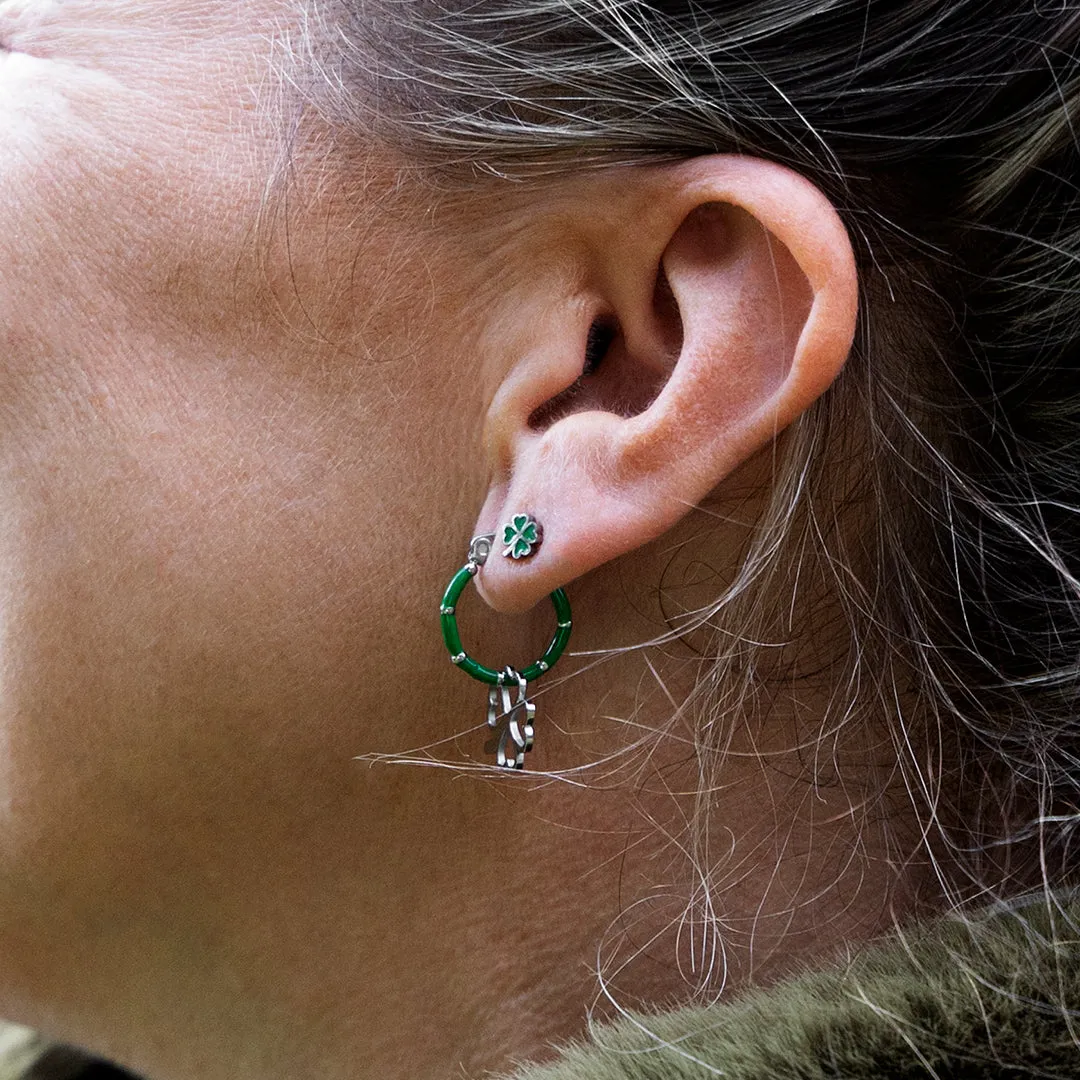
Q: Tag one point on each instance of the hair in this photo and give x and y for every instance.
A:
(934, 490)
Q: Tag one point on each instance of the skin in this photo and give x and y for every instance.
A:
(248, 429)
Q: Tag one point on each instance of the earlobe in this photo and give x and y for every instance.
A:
(730, 295)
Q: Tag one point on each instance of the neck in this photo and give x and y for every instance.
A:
(481, 940)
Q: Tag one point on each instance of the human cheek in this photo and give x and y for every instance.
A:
(132, 164)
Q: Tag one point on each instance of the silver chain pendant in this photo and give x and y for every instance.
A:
(514, 719)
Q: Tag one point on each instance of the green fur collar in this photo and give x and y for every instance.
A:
(993, 998)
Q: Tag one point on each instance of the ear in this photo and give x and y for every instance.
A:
(722, 303)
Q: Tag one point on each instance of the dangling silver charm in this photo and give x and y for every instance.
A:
(515, 718)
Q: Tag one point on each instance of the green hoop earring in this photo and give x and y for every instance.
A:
(514, 718)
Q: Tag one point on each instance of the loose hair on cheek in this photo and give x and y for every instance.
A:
(934, 490)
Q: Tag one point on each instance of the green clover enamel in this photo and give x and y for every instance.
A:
(521, 535)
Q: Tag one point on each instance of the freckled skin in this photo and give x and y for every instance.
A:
(242, 450)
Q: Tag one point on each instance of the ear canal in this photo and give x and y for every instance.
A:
(602, 335)
(621, 372)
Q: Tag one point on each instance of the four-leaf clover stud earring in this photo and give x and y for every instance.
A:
(522, 536)
(511, 716)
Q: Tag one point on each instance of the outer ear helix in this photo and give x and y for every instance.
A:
(514, 720)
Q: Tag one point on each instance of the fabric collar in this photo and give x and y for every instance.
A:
(996, 996)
